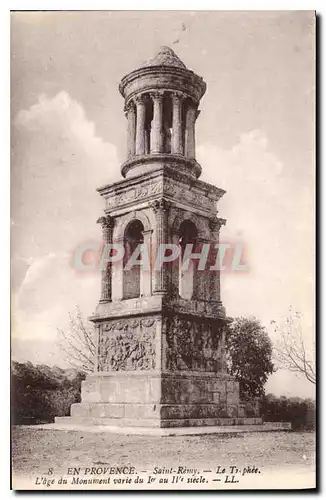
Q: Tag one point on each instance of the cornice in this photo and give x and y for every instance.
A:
(191, 165)
(194, 80)
(166, 171)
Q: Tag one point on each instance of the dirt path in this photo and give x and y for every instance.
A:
(276, 454)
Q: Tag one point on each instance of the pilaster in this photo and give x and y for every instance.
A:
(161, 208)
(215, 279)
(107, 224)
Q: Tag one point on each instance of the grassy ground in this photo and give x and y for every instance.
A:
(278, 455)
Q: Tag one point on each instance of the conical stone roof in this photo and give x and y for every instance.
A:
(165, 57)
(164, 71)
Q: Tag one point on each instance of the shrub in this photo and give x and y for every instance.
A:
(39, 393)
(300, 412)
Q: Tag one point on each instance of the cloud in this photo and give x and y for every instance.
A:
(270, 212)
(50, 290)
(67, 115)
(58, 162)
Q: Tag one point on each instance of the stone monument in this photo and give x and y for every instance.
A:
(160, 355)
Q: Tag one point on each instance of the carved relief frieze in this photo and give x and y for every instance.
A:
(137, 193)
(127, 344)
(168, 186)
(184, 194)
(193, 345)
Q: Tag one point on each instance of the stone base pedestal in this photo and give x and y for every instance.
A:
(159, 400)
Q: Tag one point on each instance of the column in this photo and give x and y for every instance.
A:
(117, 274)
(190, 131)
(177, 146)
(131, 131)
(145, 273)
(215, 287)
(157, 123)
(147, 141)
(161, 210)
(140, 125)
(202, 279)
(106, 281)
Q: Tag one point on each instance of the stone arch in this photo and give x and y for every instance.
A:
(118, 277)
(180, 282)
(200, 223)
(125, 220)
(132, 276)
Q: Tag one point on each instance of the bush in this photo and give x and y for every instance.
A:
(39, 393)
(249, 355)
(300, 412)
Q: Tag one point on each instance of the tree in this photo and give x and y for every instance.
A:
(291, 349)
(40, 392)
(77, 343)
(249, 355)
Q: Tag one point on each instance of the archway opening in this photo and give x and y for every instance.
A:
(188, 237)
(167, 124)
(132, 273)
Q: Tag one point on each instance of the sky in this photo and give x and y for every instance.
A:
(255, 139)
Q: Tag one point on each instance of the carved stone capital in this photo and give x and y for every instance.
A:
(160, 206)
(106, 222)
(129, 107)
(177, 97)
(216, 223)
(140, 99)
(157, 95)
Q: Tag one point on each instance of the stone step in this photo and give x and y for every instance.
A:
(158, 422)
(69, 424)
(138, 410)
